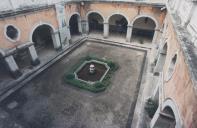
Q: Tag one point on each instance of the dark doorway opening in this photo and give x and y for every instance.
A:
(118, 25)
(95, 21)
(143, 29)
(74, 25)
(43, 41)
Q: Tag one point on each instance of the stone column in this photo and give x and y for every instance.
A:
(155, 36)
(67, 41)
(68, 32)
(129, 33)
(65, 36)
(12, 66)
(84, 27)
(56, 40)
(106, 30)
(160, 63)
(79, 26)
(34, 57)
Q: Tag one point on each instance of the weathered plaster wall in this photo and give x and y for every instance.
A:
(179, 87)
(26, 23)
(71, 9)
(17, 4)
(130, 11)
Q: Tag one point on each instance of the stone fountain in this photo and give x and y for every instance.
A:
(92, 69)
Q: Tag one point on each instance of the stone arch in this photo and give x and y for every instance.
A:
(98, 26)
(151, 17)
(75, 26)
(170, 103)
(144, 28)
(107, 19)
(49, 39)
(74, 13)
(117, 24)
(40, 24)
(97, 13)
(55, 39)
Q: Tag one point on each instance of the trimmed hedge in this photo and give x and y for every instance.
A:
(97, 86)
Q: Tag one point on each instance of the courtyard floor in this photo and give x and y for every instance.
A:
(47, 102)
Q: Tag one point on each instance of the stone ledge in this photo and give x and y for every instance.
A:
(29, 9)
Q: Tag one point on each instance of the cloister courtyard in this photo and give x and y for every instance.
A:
(48, 102)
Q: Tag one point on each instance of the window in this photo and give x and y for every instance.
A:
(12, 33)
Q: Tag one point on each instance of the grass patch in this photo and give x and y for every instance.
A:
(69, 77)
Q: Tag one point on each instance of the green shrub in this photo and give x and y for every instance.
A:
(88, 58)
(98, 86)
(151, 107)
(70, 76)
(111, 64)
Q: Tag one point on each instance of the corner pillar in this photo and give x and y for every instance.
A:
(12, 66)
(160, 63)
(129, 33)
(65, 36)
(34, 57)
(155, 36)
(56, 40)
(84, 27)
(79, 26)
(106, 30)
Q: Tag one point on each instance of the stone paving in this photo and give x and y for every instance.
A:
(47, 102)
